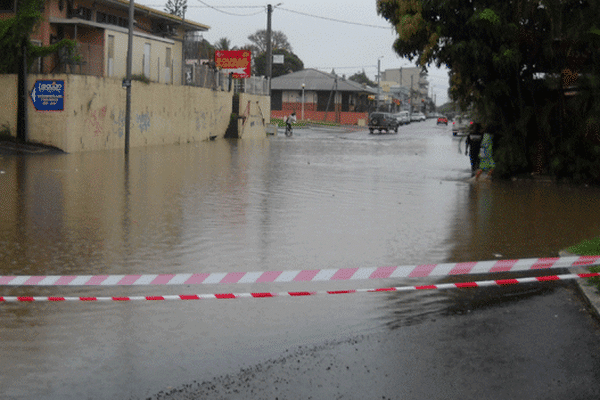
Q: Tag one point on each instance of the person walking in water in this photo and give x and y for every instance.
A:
(473, 146)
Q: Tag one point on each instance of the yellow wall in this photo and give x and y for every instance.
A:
(158, 50)
(257, 110)
(8, 103)
(94, 114)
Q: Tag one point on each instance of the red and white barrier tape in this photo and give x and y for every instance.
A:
(315, 275)
(223, 296)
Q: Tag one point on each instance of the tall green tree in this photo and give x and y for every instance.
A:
(176, 7)
(362, 78)
(513, 62)
(258, 41)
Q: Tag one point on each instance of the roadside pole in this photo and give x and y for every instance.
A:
(269, 46)
(127, 82)
(22, 97)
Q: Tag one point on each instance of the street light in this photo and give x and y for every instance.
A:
(303, 101)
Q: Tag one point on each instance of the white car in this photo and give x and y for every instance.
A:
(418, 117)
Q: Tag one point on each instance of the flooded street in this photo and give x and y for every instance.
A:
(324, 198)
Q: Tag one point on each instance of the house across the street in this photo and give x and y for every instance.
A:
(319, 96)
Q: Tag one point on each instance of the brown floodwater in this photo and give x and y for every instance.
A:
(324, 198)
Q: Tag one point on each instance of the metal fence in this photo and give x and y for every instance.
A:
(254, 85)
(206, 77)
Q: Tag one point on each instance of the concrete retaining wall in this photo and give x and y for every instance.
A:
(94, 113)
(256, 111)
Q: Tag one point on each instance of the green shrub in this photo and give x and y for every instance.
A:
(589, 248)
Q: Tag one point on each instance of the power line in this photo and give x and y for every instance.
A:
(229, 13)
(333, 19)
(220, 9)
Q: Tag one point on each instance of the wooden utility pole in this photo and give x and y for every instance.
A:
(269, 46)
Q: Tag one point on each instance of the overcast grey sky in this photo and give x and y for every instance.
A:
(345, 35)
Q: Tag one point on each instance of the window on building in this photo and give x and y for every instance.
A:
(8, 6)
(82, 13)
(105, 18)
(111, 56)
(147, 60)
(168, 65)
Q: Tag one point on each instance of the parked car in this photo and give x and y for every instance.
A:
(417, 117)
(382, 121)
(461, 125)
(402, 117)
(442, 120)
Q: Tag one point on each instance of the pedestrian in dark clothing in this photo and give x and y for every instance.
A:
(473, 146)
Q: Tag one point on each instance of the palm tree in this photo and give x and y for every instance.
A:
(223, 44)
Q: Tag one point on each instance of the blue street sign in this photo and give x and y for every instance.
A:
(48, 95)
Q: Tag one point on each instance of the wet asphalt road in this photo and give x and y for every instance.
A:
(324, 198)
(541, 344)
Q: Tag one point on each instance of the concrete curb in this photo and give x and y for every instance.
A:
(589, 293)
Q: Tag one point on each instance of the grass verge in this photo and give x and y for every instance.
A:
(589, 247)
(302, 123)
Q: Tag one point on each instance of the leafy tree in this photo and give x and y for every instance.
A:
(14, 37)
(291, 63)
(176, 7)
(512, 61)
(259, 41)
(361, 77)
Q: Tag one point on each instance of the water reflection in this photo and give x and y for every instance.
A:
(318, 200)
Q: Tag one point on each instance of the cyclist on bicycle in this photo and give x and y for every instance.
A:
(290, 120)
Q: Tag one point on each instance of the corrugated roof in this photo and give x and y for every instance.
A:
(316, 80)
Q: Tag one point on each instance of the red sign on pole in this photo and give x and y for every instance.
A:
(237, 62)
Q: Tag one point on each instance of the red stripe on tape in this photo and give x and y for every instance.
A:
(462, 268)
(225, 296)
(196, 279)
(268, 277)
(259, 295)
(421, 271)
(189, 297)
(129, 280)
(343, 274)
(466, 285)
(304, 276)
(503, 265)
(233, 277)
(547, 278)
(544, 263)
(507, 281)
(162, 279)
